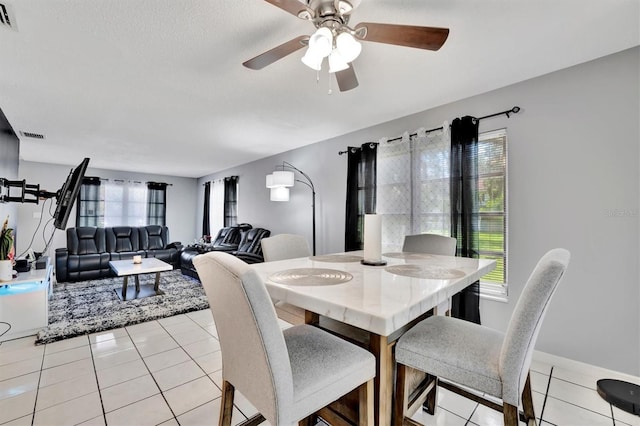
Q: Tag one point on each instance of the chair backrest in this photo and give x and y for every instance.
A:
(153, 237)
(284, 246)
(527, 317)
(86, 240)
(254, 354)
(430, 243)
(122, 239)
(227, 235)
(250, 242)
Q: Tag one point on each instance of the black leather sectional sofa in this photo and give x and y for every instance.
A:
(89, 250)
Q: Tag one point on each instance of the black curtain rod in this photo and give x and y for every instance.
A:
(514, 110)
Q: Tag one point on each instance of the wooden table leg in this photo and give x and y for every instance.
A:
(383, 351)
(137, 277)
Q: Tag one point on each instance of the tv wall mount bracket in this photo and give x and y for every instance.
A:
(28, 193)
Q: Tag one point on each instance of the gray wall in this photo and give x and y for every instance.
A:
(573, 182)
(181, 199)
(9, 153)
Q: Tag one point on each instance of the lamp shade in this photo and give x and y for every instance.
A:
(269, 181)
(336, 62)
(312, 59)
(321, 42)
(280, 193)
(282, 178)
(348, 47)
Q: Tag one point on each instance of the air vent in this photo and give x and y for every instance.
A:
(32, 135)
(7, 18)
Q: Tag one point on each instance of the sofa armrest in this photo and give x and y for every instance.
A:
(62, 257)
(248, 257)
(176, 245)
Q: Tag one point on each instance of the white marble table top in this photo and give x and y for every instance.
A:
(375, 299)
(148, 265)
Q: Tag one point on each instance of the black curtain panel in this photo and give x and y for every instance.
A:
(156, 203)
(464, 209)
(90, 211)
(206, 211)
(231, 201)
(361, 192)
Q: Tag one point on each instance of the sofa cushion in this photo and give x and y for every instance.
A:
(86, 240)
(154, 237)
(122, 239)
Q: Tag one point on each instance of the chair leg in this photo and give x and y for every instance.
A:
(527, 400)
(510, 414)
(366, 398)
(401, 397)
(305, 422)
(226, 404)
(432, 398)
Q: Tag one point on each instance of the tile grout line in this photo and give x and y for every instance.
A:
(151, 374)
(193, 359)
(35, 401)
(95, 372)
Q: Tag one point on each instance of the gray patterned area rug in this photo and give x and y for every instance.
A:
(91, 306)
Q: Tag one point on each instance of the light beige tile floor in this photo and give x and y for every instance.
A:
(168, 372)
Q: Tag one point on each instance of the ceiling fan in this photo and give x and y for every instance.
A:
(336, 40)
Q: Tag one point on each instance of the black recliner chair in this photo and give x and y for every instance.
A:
(250, 247)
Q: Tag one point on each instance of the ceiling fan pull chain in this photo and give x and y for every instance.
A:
(330, 90)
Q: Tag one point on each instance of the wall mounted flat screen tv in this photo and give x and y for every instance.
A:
(67, 195)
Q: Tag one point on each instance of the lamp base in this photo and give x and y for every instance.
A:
(373, 262)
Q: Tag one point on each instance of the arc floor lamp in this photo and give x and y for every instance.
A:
(282, 179)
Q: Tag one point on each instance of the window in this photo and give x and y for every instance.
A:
(120, 203)
(156, 203)
(413, 195)
(90, 211)
(492, 194)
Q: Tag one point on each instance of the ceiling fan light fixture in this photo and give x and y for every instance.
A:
(348, 47)
(312, 60)
(344, 7)
(321, 42)
(337, 62)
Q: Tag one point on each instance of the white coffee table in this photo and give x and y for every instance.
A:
(126, 268)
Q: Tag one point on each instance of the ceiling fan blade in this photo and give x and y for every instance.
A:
(430, 38)
(278, 52)
(294, 7)
(347, 79)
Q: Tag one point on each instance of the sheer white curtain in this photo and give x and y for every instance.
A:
(413, 186)
(125, 203)
(216, 211)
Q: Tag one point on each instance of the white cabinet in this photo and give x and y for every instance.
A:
(24, 303)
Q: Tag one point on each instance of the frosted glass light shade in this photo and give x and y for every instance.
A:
(348, 47)
(282, 178)
(312, 59)
(269, 181)
(336, 62)
(280, 193)
(321, 42)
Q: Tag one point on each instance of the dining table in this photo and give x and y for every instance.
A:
(370, 305)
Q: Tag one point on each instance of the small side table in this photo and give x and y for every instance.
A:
(624, 395)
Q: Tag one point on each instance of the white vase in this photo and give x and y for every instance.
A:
(6, 270)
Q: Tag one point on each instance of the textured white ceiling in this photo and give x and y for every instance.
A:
(157, 86)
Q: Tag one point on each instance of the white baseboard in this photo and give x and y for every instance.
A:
(571, 364)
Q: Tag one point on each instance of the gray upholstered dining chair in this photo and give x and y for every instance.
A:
(284, 246)
(286, 374)
(430, 243)
(478, 357)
